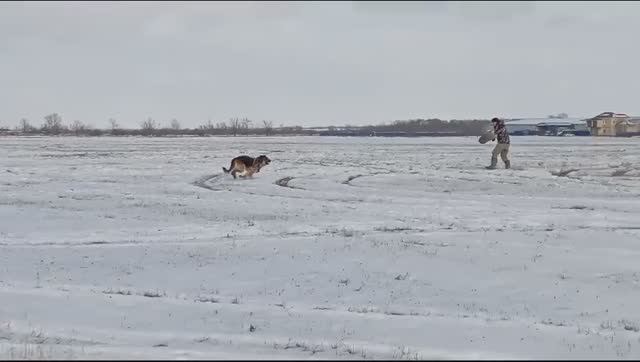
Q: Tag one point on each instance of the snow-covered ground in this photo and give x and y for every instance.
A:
(340, 248)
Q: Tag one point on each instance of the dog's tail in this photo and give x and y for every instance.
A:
(230, 168)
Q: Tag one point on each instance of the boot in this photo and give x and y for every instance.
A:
(507, 164)
(494, 162)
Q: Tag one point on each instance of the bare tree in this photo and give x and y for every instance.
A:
(52, 124)
(234, 125)
(207, 128)
(245, 125)
(148, 126)
(25, 126)
(175, 125)
(268, 127)
(114, 124)
(77, 127)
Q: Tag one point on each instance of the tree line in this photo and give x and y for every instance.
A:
(473, 127)
(54, 125)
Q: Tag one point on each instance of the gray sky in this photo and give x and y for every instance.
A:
(318, 63)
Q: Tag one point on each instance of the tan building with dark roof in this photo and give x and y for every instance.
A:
(614, 124)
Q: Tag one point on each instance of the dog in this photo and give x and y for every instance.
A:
(246, 165)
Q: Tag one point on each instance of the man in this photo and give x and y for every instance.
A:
(502, 148)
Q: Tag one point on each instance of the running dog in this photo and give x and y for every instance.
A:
(246, 165)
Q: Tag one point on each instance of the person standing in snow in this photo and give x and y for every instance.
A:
(502, 148)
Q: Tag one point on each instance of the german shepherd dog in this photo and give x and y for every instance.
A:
(246, 165)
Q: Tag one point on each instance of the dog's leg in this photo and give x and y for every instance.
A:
(231, 167)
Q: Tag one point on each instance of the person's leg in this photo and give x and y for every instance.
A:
(494, 156)
(504, 154)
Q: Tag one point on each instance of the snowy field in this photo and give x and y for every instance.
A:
(344, 248)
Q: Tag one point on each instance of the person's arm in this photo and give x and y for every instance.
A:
(500, 132)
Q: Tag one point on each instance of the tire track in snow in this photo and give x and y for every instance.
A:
(204, 182)
(351, 178)
(284, 182)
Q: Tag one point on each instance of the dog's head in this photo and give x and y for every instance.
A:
(262, 161)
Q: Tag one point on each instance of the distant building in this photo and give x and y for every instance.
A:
(388, 134)
(614, 124)
(8, 132)
(547, 126)
(346, 132)
(411, 134)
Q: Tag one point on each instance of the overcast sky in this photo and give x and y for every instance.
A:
(307, 63)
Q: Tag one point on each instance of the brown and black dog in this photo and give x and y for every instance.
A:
(246, 165)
